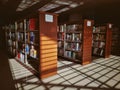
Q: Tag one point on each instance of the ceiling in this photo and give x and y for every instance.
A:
(99, 10)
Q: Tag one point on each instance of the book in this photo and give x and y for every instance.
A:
(27, 48)
(32, 37)
(33, 52)
(32, 23)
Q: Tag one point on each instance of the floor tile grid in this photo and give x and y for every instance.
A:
(22, 82)
(107, 66)
(13, 73)
(104, 73)
(108, 63)
(56, 85)
(88, 77)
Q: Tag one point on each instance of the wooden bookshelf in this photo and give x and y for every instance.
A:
(77, 41)
(102, 37)
(48, 44)
(35, 39)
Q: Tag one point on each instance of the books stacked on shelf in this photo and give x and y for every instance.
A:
(100, 40)
(27, 49)
(32, 37)
(20, 26)
(73, 40)
(32, 24)
(60, 36)
(74, 27)
(71, 37)
(61, 39)
(98, 51)
(33, 52)
(75, 37)
(21, 56)
(32, 41)
(60, 44)
(99, 29)
(73, 46)
(73, 55)
(78, 41)
(9, 42)
(27, 40)
(100, 37)
(20, 36)
(98, 43)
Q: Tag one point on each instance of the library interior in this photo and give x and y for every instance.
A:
(60, 44)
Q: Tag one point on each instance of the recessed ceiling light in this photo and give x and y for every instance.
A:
(26, 4)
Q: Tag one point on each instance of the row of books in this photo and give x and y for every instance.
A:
(74, 37)
(98, 44)
(99, 29)
(98, 51)
(98, 37)
(30, 50)
(11, 35)
(27, 24)
(60, 36)
(10, 27)
(60, 44)
(74, 27)
(12, 43)
(73, 55)
(61, 28)
(73, 46)
(30, 37)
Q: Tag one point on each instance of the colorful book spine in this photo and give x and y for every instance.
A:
(32, 24)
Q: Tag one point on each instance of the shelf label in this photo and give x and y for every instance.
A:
(48, 18)
(110, 25)
(88, 23)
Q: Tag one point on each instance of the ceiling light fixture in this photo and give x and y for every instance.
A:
(26, 4)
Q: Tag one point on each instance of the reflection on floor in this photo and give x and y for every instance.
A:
(101, 74)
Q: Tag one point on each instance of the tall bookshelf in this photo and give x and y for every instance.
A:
(102, 37)
(36, 42)
(75, 41)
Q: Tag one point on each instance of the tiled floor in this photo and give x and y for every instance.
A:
(101, 74)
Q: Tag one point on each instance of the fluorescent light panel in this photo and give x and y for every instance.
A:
(26, 4)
